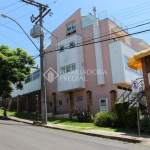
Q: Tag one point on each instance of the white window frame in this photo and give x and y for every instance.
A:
(58, 102)
(71, 26)
(65, 68)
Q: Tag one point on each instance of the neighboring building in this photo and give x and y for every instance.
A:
(31, 88)
(33, 69)
(80, 35)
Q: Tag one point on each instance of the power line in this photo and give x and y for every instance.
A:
(11, 40)
(135, 15)
(11, 29)
(53, 2)
(96, 42)
(132, 7)
(9, 5)
(99, 41)
(131, 10)
(62, 32)
(21, 16)
(14, 9)
(132, 13)
(115, 32)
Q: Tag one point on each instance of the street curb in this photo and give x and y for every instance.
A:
(131, 140)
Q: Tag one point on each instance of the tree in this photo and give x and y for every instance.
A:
(14, 67)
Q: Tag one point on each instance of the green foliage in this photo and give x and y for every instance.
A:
(143, 112)
(145, 123)
(131, 118)
(121, 109)
(105, 119)
(15, 66)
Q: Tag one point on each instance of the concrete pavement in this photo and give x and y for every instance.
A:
(20, 136)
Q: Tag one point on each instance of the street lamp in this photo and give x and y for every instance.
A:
(4, 16)
(44, 119)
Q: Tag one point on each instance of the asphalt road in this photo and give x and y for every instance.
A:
(19, 136)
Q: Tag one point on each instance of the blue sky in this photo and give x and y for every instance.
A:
(129, 12)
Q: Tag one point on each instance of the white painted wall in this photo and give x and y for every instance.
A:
(120, 74)
(67, 57)
(27, 88)
(98, 50)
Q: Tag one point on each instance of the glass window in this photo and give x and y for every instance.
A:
(68, 69)
(73, 67)
(126, 61)
(61, 48)
(50, 104)
(103, 102)
(126, 66)
(63, 70)
(72, 44)
(71, 27)
(59, 103)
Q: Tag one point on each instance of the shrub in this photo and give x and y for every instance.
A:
(105, 119)
(131, 118)
(145, 124)
(121, 109)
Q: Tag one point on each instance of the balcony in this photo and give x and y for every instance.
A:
(119, 55)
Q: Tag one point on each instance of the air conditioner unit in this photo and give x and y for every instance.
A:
(103, 103)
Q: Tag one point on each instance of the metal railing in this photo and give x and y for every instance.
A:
(126, 95)
(105, 14)
(35, 75)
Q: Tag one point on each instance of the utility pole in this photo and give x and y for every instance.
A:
(39, 18)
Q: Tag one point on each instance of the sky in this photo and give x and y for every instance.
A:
(130, 12)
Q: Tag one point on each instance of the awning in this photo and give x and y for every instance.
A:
(135, 63)
(142, 54)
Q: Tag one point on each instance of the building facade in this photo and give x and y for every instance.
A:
(87, 56)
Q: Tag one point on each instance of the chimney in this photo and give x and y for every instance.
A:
(94, 10)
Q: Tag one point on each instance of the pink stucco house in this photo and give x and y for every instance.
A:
(87, 58)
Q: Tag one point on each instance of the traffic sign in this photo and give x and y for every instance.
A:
(135, 86)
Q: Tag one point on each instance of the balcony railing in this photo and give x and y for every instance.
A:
(105, 14)
(35, 75)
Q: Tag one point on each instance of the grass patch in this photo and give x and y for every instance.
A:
(19, 115)
(90, 126)
(72, 124)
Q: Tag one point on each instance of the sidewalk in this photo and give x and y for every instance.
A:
(145, 140)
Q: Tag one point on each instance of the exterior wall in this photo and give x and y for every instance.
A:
(134, 44)
(146, 82)
(120, 74)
